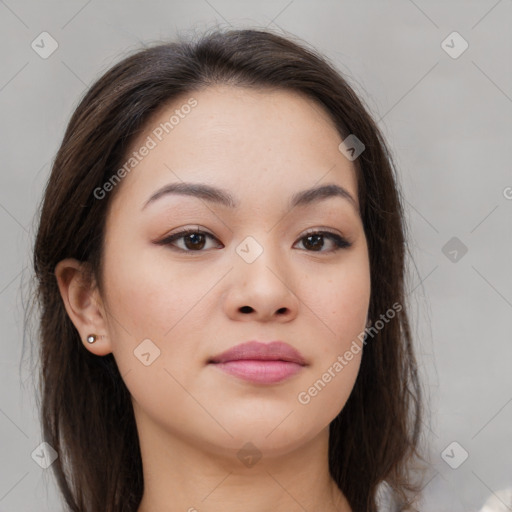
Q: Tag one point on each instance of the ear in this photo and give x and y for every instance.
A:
(83, 304)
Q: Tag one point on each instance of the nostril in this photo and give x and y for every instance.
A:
(246, 309)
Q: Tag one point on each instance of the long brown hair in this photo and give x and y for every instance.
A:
(86, 412)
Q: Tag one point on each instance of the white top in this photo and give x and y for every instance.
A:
(500, 501)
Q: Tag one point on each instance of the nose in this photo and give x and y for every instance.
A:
(262, 290)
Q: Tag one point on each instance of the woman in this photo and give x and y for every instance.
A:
(220, 262)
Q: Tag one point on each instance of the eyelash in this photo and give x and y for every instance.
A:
(340, 242)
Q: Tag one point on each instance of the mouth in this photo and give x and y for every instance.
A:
(262, 363)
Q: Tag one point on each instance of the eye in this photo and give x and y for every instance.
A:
(194, 240)
(314, 241)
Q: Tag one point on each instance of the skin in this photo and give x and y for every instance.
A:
(192, 418)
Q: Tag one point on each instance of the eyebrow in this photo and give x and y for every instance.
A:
(224, 197)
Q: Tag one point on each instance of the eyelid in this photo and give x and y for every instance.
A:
(321, 229)
(182, 232)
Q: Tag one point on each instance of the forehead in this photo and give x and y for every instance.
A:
(260, 143)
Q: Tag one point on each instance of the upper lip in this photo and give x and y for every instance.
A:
(256, 350)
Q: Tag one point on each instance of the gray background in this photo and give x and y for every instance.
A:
(448, 121)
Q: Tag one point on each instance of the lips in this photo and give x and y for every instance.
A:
(257, 351)
(260, 363)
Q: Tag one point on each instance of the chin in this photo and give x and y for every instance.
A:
(262, 439)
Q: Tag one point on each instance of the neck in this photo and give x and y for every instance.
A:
(180, 475)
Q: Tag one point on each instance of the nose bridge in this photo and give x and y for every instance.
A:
(252, 247)
(259, 255)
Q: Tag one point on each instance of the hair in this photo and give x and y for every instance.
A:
(85, 408)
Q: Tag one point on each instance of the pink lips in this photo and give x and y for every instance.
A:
(263, 363)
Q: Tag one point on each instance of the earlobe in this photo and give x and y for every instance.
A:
(83, 304)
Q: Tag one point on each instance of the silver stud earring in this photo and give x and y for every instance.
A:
(91, 338)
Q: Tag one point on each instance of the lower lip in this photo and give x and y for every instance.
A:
(261, 372)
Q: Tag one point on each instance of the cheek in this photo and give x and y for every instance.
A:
(152, 298)
(148, 297)
(338, 345)
(151, 321)
(347, 311)
(338, 300)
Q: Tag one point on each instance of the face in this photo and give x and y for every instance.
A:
(249, 269)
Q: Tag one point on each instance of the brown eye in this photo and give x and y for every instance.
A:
(314, 241)
(194, 240)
